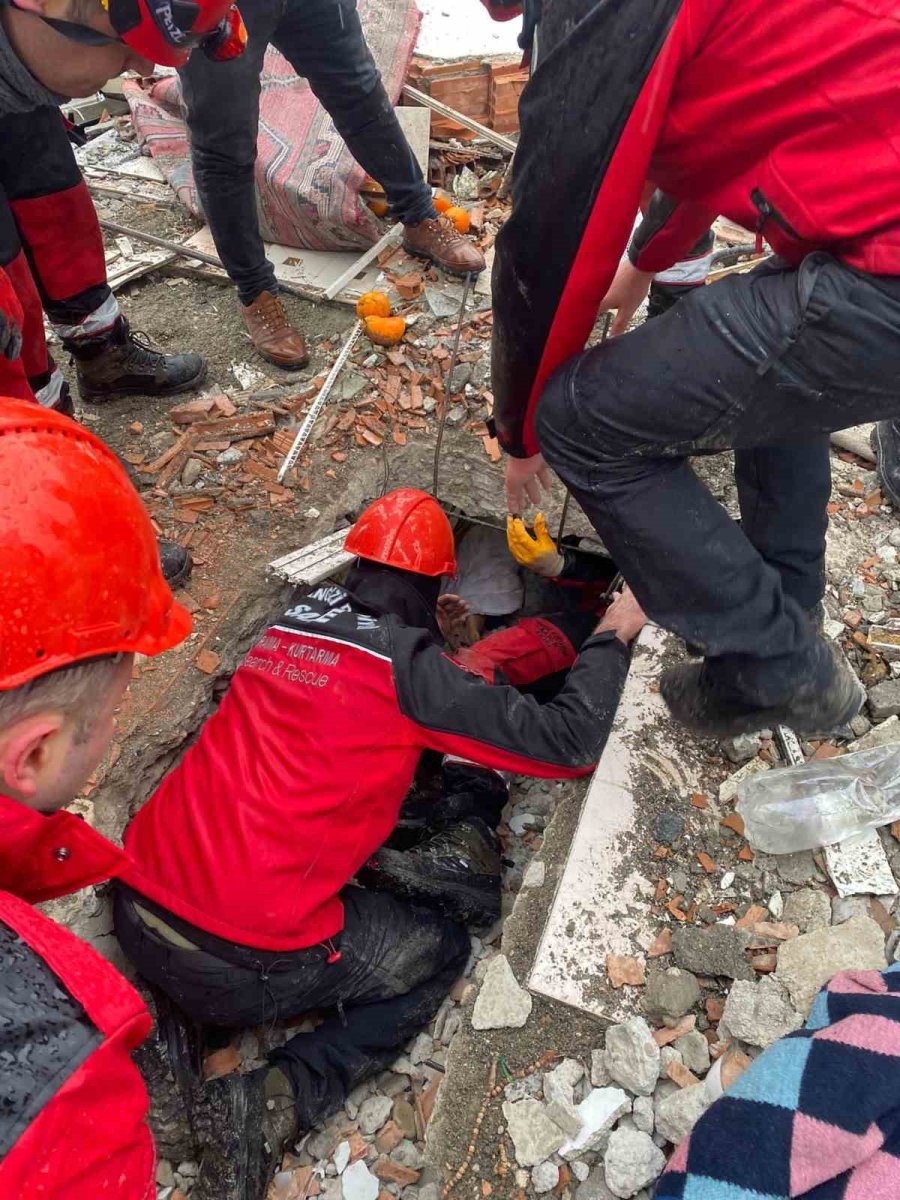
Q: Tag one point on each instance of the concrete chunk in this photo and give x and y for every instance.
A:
(808, 961)
(502, 1003)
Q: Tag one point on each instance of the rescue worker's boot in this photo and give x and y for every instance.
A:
(457, 871)
(885, 442)
(122, 363)
(465, 791)
(816, 694)
(176, 562)
(241, 1123)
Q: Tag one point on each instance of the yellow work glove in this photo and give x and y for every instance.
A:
(535, 551)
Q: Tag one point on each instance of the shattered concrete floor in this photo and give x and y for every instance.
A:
(748, 935)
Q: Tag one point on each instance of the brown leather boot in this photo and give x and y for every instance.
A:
(272, 333)
(436, 238)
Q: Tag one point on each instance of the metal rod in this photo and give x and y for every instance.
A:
(445, 404)
(445, 110)
(317, 405)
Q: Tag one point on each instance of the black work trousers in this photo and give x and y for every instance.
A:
(386, 973)
(767, 364)
(324, 42)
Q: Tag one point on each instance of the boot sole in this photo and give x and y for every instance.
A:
(478, 905)
(462, 272)
(296, 365)
(94, 396)
(723, 725)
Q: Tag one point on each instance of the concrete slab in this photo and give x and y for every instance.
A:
(600, 905)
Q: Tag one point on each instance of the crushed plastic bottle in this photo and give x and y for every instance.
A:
(818, 803)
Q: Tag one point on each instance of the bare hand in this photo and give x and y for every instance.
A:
(451, 616)
(627, 292)
(624, 617)
(525, 478)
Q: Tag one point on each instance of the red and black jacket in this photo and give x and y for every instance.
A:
(742, 108)
(73, 1118)
(299, 776)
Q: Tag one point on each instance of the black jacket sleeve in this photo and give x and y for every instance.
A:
(495, 725)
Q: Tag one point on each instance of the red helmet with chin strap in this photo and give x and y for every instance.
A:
(166, 31)
(407, 529)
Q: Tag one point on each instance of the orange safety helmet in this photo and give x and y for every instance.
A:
(79, 565)
(407, 529)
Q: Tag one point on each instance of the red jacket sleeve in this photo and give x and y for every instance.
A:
(503, 10)
(669, 231)
(496, 726)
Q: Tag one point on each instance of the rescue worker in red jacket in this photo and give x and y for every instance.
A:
(82, 594)
(49, 234)
(293, 784)
(765, 363)
(51, 247)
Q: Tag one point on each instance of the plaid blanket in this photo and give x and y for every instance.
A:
(816, 1115)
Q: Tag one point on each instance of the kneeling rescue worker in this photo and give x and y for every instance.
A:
(82, 593)
(294, 784)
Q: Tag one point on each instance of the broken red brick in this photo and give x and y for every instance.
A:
(359, 1147)
(662, 852)
(394, 1172)
(565, 1176)
(706, 862)
(207, 661)
(389, 1138)
(756, 912)
(780, 931)
(764, 964)
(734, 1064)
(662, 886)
(698, 800)
(192, 410)
(827, 750)
(679, 1074)
(678, 913)
(663, 1037)
(662, 944)
(881, 916)
(136, 427)
(715, 1007)
(735, 822)
(745, 854)
(853, 618)
(622, 970)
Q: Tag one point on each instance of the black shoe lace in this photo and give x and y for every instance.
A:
(140, 351)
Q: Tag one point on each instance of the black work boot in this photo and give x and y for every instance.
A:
(466, 791)
(241, 1123)
(176, 562)
(712, 699)
(122, 363)
(885, 443)
(456, 871)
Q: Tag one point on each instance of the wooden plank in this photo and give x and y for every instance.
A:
(311, 564)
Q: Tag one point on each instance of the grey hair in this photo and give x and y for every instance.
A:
(78, 691)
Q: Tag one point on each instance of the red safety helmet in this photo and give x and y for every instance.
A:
(165, 31)
(79, 565)
(408, 529)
